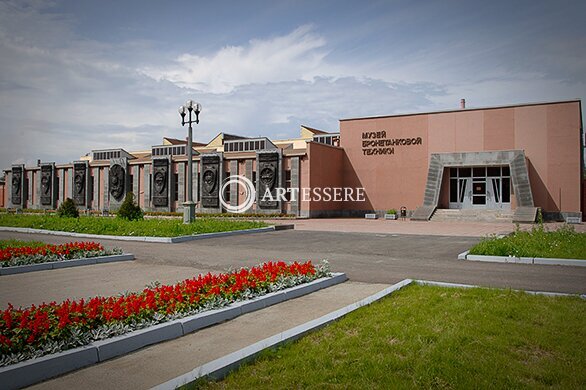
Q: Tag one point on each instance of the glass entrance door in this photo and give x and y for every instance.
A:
(480, 187)
(479, 192)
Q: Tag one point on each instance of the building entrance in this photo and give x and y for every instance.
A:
(480, 187)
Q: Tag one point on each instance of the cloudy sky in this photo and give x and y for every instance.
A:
(79, 75)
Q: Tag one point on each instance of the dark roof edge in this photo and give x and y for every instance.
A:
(577, 100)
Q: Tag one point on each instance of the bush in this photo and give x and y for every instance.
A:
(391, 211)
(129, 209)
(68, 209)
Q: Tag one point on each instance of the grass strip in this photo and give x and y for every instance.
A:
(20, 244)
(433, 337)
(563, 243)
(121, 227)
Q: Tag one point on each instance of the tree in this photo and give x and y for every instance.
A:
(68, 209)
(129, 209)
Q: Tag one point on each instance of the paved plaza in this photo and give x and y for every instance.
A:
(374, 254)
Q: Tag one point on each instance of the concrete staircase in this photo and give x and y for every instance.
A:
(446, 215)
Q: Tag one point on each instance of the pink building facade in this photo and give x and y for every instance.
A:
(515, 159)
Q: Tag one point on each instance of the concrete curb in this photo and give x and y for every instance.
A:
(457, 285)
(521, 260)
(19, 269)
(167, 240)
(35, 370)
(219, 368)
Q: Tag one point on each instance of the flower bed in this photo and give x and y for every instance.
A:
(49, 328)
(23, 255)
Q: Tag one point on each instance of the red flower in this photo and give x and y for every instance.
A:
(34, 325)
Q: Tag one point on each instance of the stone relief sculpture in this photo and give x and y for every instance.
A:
(268, 164)
(117, 182)
(17, 185)
(46, 185)
(210, 180)
(79, 184)
(160, 183)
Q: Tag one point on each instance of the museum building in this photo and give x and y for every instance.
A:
(509, 160)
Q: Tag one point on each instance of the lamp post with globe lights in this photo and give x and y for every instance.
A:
(189, 108)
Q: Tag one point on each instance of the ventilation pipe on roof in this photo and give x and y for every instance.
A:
(462, 103)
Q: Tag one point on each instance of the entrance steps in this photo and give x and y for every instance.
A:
(445, 215)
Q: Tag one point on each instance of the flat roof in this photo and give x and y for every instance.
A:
(464, 109)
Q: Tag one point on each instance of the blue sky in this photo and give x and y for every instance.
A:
(82, 75)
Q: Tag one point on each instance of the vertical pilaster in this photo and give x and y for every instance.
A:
(29, 190)
(70, 183)
(181, 185)
(234, 185)
(295, 184)
(105, 202)
(147, 186)
(195, 179)
(8, 188)
(96, 189)
(61, 186)
(136, 181)
(37, 189)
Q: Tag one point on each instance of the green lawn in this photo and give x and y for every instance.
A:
(121, 227)
(564, 243)
(19, 244)
(433, 337)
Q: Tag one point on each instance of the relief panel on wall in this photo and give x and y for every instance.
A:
(47, 181)
(117, 181)
(210, 181)
(17, 185)
(79, 183)
(268, 179)
(160, 182)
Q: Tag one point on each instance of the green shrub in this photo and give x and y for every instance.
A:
(391, 211)
(129, 210)
(68, 209)
(122, 227)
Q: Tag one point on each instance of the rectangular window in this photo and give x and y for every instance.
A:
(176, 186)
(493, 171)
(479, 172)
(287, 185)
(131, 184)
(227, 190)
(150, 186)
(506, 192)
(454, 190)
(453, 172)
(480, 200)
(506, 171)
(465, 172)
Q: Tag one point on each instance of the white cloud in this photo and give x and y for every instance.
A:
(295, 56)
(62, 95)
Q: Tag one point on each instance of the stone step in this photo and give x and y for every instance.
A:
(472, 215)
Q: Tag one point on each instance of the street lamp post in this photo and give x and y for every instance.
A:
(189, 206)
